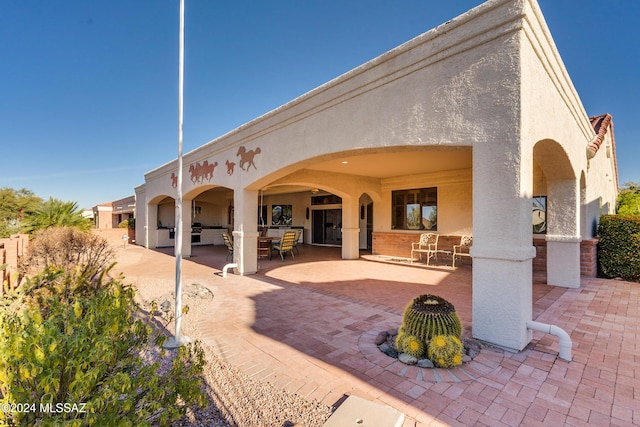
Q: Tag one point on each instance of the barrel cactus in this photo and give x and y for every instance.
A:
(428, 316)
(400, 340)
(445, 351)
(412, 346)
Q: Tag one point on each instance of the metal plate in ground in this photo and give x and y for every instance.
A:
(358, 412)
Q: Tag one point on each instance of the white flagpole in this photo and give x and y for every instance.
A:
(179, 339)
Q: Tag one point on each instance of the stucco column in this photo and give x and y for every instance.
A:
(245, 233)
(502, 242)
(140, 215)
(563, 240)
(151, 227)
(350, 228)
(186, 227)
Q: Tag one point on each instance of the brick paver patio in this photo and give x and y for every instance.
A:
(307, 325)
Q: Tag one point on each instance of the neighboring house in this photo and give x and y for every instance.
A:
(458, 131)
(111, 214)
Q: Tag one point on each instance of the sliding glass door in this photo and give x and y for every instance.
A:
(327, 226)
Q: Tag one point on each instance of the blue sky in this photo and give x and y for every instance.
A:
(88, 98)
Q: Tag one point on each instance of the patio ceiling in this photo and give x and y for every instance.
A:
(397, 163)
(388, 164)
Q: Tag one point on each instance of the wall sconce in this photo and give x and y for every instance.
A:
(307, 213)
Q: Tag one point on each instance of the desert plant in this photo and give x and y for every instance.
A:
(399, 341)
(619, 246)
(413, 346)
(88, 349)
(67, 248)
(445, 351)
(430, 315)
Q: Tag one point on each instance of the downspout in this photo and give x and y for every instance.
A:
(563, 337)
(227, 267)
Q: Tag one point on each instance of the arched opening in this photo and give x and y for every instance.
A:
(557, 183)
(338, 194)
(208, 210)
(160, 214)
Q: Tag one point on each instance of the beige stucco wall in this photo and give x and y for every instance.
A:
(602, 181)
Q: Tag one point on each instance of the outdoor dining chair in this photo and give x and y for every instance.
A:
(285, 245)
(228, 241)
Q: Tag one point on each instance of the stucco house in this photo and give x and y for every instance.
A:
(111, 214)
(465, 126)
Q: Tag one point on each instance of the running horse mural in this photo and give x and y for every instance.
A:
(200, 172)
(246, 157)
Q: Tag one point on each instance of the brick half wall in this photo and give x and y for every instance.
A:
(399, 244)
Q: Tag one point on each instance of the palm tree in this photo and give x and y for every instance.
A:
(56, 213)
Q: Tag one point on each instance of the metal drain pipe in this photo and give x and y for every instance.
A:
(227, 267)
(563, 337)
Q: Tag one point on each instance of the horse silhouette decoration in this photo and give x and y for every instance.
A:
(230, 167)
(246, 157)
(200, 172)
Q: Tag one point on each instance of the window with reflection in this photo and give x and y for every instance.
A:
(539, 214)
(415, 209)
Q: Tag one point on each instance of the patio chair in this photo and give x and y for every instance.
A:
(428, 245)
(228, 242)
(285, 245)
(462, 249)
(298, 231)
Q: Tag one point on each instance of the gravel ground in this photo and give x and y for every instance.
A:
(234, 399)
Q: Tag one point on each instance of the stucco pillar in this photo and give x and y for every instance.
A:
(563, 240)
(502, 243)
(350, 228)
(245, 233)
(151, 227)
(186, 227)
(141, 216)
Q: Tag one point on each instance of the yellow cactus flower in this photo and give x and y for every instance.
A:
(440, 341)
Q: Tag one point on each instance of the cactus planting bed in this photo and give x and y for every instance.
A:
(430, 335)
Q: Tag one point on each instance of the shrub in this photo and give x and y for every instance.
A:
(619, 246)
(76, 347)
(67, 248)
(127, 223)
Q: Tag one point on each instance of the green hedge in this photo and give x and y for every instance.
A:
(619, 246)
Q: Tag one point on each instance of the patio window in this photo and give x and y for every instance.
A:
(539, 214)
(415, 209)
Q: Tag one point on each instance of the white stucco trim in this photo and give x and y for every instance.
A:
(504, 253)
(565, 239)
